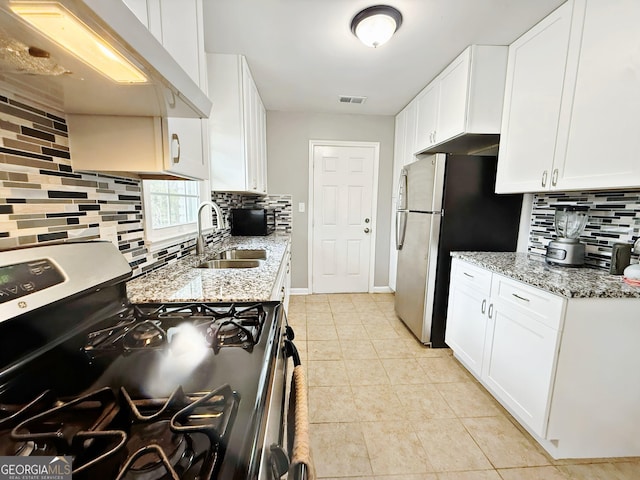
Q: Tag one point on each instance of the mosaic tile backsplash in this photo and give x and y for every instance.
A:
(614, 217)
(43, 200)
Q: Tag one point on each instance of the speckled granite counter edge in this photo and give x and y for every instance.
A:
(182, 282)
(564, 281)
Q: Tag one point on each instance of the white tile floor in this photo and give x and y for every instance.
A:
(384, 407)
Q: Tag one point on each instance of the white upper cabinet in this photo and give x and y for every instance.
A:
(162, 146)
(466, 98)
(598, 141)
(572, 101)
(237, 127)
(427, 116)
(144, 145)
(404, 145)
(535, 77)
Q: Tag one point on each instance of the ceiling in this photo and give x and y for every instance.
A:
(303, 55)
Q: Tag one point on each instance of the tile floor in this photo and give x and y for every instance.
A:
(384, 407)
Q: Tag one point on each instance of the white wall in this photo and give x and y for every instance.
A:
(288, 136)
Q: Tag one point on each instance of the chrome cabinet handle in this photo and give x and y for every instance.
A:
(483, 307)
(554, 177)
(544, 178)
(468, 275)
(520, 298)
(491, 310)
(175, 140)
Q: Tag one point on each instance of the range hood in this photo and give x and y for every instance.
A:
(29, 57)
(479, 144)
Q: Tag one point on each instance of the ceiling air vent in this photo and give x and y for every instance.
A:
(351, 99)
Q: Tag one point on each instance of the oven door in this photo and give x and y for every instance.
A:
(277, 447)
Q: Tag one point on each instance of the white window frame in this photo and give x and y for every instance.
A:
(157, 239)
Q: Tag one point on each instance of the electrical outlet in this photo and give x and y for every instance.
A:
(301, 207)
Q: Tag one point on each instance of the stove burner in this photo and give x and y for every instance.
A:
(146, 464)
(162, 440)
(154, 328)
(162, 465)
(143, 335)
(228, 333)
(76, 426)
(183, 436)
(11, 416)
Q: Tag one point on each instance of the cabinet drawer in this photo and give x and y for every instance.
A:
(544, 306)
(472, 276)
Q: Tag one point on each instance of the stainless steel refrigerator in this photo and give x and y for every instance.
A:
(445, 203)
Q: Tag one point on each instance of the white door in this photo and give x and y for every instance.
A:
(343, 181)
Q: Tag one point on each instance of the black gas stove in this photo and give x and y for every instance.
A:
(154, 391)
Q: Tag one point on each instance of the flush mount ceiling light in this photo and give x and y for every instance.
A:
(61, 26)
(375, 25)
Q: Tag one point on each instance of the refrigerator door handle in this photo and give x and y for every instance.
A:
(402, 190)
(401, 227)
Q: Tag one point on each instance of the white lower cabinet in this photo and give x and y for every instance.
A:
(556, 364)
(467, 314)
(519, 361)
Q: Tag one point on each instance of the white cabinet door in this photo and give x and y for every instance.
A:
(469, 294)
(262, 158)
(237, 128)
(178, 27)
(139, 8)
(427, 116)
(182, 35)
(519, 361)
(535, 76)
(411, 131)
(466, 326)
(463, 98)
(399, 149)
(186, 146)
(452, 106)
(255, 127)
(250, 128)
(598, 143)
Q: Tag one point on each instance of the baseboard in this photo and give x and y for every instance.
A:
(299, 291)
(386, 289)
(305, 291)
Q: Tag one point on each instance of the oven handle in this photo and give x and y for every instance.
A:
(298, 472)
(292, 351)
(298, 469)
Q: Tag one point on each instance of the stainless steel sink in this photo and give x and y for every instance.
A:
(236, 254)
(229, 263)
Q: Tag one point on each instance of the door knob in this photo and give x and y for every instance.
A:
(366, 230)
(366, 220)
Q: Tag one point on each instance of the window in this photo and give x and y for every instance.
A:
(171, 208)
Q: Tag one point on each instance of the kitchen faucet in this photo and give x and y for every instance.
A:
(200, 243)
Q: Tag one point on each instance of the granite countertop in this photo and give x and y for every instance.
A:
(182, 282)
(570, 282)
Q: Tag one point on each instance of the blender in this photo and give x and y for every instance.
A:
(566, 250)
